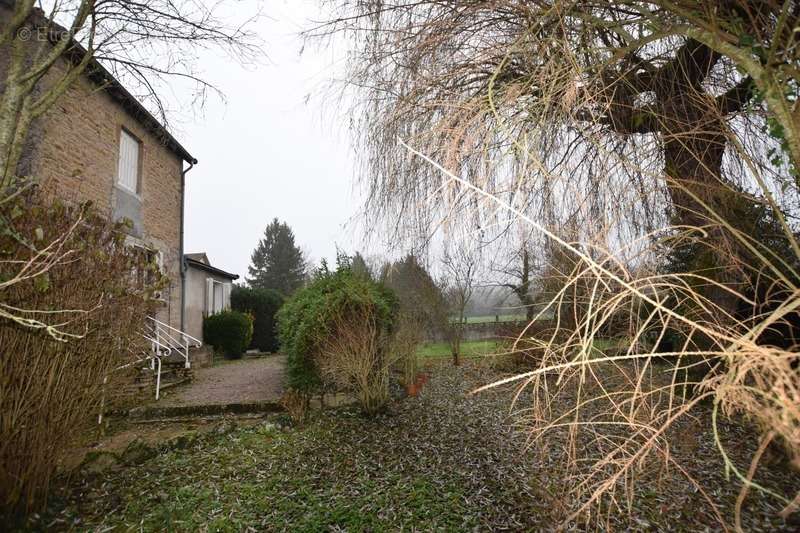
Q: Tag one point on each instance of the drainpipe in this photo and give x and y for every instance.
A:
(192, 163)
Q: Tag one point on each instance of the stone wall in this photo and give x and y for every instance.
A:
(77, 158)
(201, 356)
(481, 331)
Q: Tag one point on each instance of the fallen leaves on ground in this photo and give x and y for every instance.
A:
(446, 461)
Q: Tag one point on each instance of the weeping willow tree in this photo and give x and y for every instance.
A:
(655, 132)
(664, 100)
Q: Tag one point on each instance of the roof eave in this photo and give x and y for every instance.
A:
(211, 269)
(100, 75)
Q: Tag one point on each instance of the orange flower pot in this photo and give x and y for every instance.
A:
(411, 389)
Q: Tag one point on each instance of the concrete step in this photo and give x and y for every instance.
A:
(150, 376)
(168, 384)
(173, 359)
(157, 412)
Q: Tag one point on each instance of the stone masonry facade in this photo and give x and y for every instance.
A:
(76, 156)
(73, 152)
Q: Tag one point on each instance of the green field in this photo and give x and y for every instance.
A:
(468, 349)
(491, 318)
(434, 350)
(482, 319)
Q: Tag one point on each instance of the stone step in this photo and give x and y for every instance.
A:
(150, 377)
(159, 412)
(140, 386)
(173, 383)
(173, 360)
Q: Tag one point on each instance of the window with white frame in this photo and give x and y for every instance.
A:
(218, 295)
(130, 150)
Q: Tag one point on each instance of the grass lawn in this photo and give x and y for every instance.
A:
(493, 318)
(468, 349)
(435, 350)
(445, 461)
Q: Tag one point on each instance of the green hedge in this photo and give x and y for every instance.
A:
(228, 332)
(305, 319)
(262, 305)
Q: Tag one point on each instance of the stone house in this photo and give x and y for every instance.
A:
(208, 291)
(98, 143)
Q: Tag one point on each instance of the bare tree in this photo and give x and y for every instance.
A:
(43, 53)
(143, 44)
(517, 271)
(615, 113)
(462, 263)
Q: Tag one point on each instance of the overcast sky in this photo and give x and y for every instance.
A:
(267, 153)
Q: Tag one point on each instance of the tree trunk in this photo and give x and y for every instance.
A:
(526, 284)
(694, 145)
(522, 290)
(458, 332)
(14, 120)
(693, 131)
(456, 335)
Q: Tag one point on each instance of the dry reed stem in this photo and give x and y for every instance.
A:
(81, 289)
(745, 377)
(615, 134)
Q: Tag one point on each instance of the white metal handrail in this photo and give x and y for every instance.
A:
(155, 360)
(166, 334)
(158, 350)
(105, 382)
(196, 341)
(165, 338)
(163, 343)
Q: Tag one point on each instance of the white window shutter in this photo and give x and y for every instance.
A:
(209, 296)
(128, 172)
(226, 296)
(217, 297)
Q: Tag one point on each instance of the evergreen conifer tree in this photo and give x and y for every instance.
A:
(277, 262)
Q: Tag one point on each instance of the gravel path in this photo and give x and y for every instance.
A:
(243, 381)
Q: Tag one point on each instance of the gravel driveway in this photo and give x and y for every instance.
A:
(243, 381)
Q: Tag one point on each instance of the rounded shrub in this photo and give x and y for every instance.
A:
(229, 332)
(262, 305)
(337, 327)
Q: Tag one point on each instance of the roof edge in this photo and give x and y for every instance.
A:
(208, 268)
(98, 74)
(102, 77)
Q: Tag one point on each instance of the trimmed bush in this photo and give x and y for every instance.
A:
(229, 332)
(262, 305)
(338, 331)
